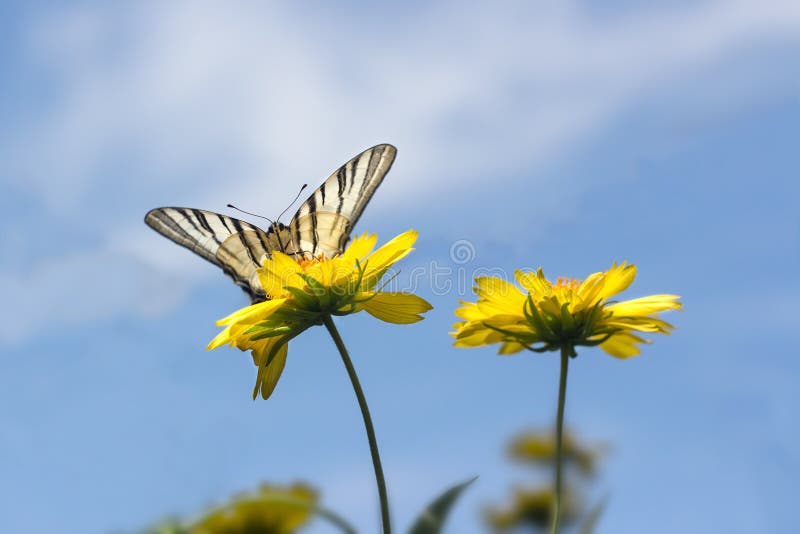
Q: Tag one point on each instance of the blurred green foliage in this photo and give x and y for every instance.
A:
(529, 508)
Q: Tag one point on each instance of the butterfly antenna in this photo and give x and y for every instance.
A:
(253, 214)
(292, 203)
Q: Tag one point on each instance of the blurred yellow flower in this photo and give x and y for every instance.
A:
(545, 316)
(529, 509)
(540, 447)
(271, 510)
(303, 292)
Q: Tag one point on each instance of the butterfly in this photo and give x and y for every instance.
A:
(321, 226)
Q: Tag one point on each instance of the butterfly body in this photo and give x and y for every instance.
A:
(321, 226)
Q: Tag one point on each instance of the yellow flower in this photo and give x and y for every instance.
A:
(546, 316)
(529, 508)
(303, 292)
(271, 510)
(540, 447)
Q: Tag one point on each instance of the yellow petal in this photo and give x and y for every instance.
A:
(273, 371)
(645, 305)
(272, 284)
(253, 313)
(360, 247)
(261, 351)
(322, 272)
(622, 345)
(398, 308)
(496, 295)
(590, 291)
(478, 338)
(641, 324)
(282, 264)
(391, 252)
(278, 272)
(223, 338)
(618, 278)
(470, 312)
(535, 283)
(510, 347)
(509, 323)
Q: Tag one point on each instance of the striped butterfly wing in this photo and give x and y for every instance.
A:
(323, 223)
(237, 247)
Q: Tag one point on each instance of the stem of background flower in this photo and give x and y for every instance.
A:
(562, 393)
(362, 403)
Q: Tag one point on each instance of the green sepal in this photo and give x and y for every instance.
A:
(503, 331)
(596, 342)
(303, 297)
(433, 517)
(567, 319)
(540, 350)
(261, 326)
(534, 317)
(318, 291)
(362, 269)
(292, 312)
(347, 309)
(388, 280)
(280, 331)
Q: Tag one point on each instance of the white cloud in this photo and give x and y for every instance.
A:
(275, 95)
(82, 288)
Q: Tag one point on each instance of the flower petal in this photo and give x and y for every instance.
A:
(622, 345)
(511, 324)
(510, 347)
(618, 278)
(390, 252)
(359, 248)
(398, 308)
(253, 313)
(223, 338)
(268, 375)
(567, 313)
(496, 295)
(590, 291)
(273, 372)
(641, 324)
(469, 311)
(474, 334)
(535, 283)
(645, 305)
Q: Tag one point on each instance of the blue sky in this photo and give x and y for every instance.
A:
(553, 134)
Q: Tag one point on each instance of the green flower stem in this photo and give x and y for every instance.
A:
(562, 393)
(362, 403)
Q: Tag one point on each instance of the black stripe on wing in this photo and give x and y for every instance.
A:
(323, 223)
(235, 246)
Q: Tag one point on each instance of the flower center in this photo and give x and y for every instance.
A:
(565, 283)
(308, 260)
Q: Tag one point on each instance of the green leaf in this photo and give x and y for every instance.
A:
(433, 517)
